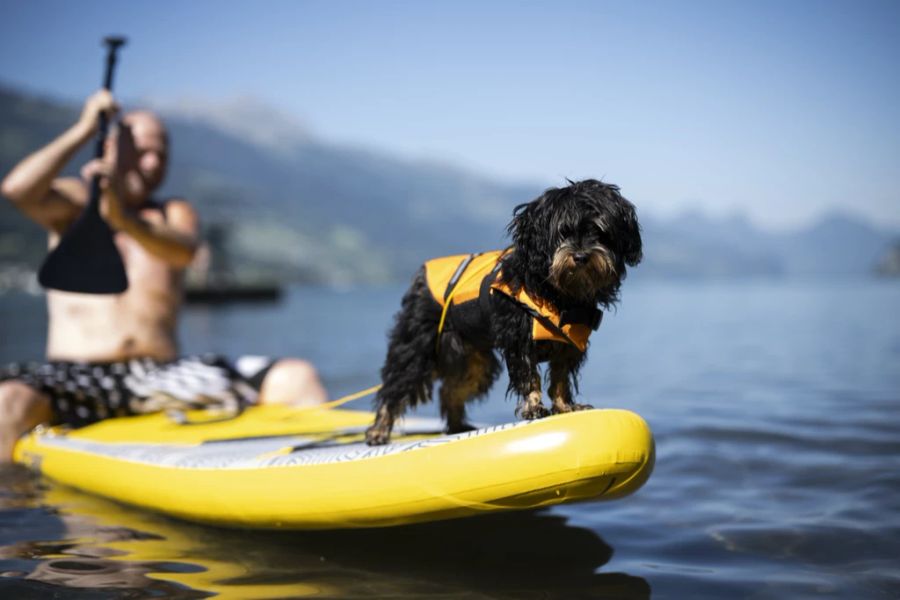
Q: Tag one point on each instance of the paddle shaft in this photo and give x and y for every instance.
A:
(112, 46)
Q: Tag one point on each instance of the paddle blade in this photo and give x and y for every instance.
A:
(86, 260)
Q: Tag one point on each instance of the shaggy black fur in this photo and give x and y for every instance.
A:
(570, 249)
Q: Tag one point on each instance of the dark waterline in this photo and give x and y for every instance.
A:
(776, 410)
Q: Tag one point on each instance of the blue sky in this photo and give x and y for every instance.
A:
(780, 110)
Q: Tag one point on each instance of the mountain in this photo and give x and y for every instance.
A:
(289, 205)
(889, 263)
(242, 118)
(838, 244)
(697, 245)
(694, 245)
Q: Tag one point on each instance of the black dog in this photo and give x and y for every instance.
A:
(534, 302)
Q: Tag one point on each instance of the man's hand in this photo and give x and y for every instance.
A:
(113, 170)
(101, 101)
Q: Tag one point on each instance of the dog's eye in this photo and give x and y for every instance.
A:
(566, 232)
(599, 235)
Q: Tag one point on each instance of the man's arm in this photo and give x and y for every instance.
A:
(175, 241)
(32, 185)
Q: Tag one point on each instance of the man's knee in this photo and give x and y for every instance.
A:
(21, 409)
(292, 381)
(20, 402)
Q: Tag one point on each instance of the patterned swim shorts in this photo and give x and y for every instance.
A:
(83, 392)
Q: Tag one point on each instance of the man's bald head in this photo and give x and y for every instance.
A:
(145, 152)
(146, 122)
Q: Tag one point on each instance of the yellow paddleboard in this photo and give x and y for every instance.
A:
(281, 467)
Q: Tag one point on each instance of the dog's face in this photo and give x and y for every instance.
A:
(578, 239)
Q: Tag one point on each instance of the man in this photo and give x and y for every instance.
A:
(115, 355)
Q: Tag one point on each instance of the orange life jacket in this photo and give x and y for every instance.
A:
(463, 278)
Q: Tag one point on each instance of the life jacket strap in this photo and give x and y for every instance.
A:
(582, 315)
(452, 286)
(543, 319)
(457, 275)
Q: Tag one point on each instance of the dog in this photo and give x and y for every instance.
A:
(537, 301)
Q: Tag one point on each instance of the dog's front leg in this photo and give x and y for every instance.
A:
(530, 406)
(561, 388)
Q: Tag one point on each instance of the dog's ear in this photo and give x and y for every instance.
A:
(623, 217)
(632, 246)
(521, 227)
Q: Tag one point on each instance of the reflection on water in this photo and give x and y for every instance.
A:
(776, 412)
(101, 545)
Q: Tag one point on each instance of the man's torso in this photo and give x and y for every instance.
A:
(140, 322)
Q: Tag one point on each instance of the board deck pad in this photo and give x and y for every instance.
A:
(275, 451)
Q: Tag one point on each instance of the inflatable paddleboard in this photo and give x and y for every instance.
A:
(294, 468)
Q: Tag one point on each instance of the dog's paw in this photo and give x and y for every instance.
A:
(533, 411)
(559, 409)
(378, 436)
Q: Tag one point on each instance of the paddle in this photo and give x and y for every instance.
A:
(86, 259)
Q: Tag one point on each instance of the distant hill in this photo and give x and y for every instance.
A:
(697, 245)
(292, 206)
(889, 264)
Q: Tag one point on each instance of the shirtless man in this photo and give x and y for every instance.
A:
(113, 355)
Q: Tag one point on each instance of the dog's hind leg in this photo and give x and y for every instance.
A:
(407, 383)
(409, 368)
(472, 382)
(399, 391)
(380, 432)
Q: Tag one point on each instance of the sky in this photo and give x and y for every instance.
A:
(780, 110)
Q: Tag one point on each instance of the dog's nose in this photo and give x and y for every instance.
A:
(580, 258)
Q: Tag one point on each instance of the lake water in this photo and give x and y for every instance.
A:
(776, 411)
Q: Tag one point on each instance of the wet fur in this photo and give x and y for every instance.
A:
(571, 247)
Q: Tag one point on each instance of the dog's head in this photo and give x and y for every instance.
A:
(577, 239)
